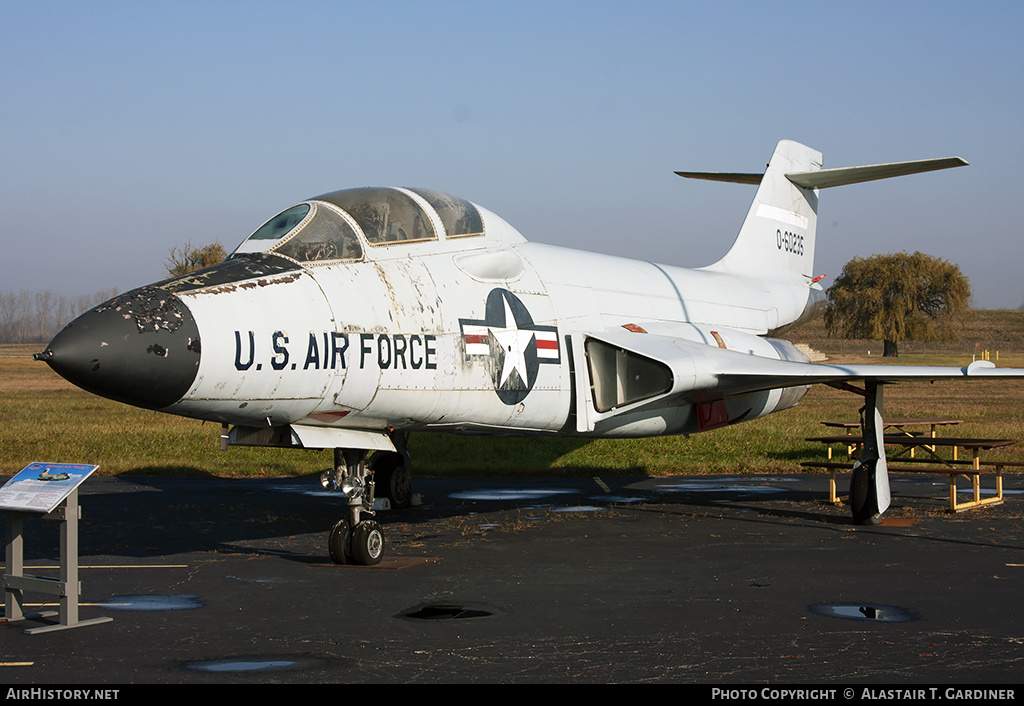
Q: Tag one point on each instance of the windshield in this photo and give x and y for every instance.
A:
(309, 232)
(278, 226)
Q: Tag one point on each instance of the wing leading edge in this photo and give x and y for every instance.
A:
(738, 373)
(765, 374)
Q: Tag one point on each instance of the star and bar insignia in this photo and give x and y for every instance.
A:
(509, 339)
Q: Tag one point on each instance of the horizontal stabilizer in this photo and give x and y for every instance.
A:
(824, 178)
(734, 177)
(777, 238)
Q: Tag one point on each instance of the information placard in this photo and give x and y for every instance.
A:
(41, 487)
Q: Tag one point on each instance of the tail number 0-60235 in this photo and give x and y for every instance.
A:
(790, 242)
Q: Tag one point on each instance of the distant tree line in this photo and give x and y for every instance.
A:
(34, 317)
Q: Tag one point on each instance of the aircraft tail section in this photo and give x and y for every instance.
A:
(777, 238)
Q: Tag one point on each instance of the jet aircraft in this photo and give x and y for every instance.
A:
(355, 317)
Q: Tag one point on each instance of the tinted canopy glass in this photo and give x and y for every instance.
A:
(328, 226)
(326, 236)
(459, 217)
(279, 226)
(384, 215)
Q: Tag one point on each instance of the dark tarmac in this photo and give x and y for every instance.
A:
(700, 579)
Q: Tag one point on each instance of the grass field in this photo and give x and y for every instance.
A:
(44, 418)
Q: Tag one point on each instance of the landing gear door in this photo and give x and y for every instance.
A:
(585, 411)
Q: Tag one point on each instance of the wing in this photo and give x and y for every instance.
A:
(641, 382)
(732, 363)
(737, 375)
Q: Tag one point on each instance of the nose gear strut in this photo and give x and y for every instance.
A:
(353, 539)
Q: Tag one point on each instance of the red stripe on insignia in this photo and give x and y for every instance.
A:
(552, 345)
(475, 338)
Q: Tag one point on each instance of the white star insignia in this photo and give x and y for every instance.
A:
(514, 342)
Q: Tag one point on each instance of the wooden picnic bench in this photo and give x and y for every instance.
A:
(954, 467)
(899, 423)
(898, 426)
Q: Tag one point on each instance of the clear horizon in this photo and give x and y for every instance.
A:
(131, 128)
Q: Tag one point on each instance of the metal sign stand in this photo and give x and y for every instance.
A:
(68, 587)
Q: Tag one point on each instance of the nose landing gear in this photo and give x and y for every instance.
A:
(356, 539)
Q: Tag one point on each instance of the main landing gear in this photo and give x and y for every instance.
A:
(356, 539)
(869, 485)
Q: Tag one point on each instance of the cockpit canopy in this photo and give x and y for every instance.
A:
(336, 226)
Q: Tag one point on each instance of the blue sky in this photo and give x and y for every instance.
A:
(127, 128)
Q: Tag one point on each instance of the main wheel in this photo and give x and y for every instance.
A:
(863, 495)
(339, 543)
(393, 480)
(367, 543)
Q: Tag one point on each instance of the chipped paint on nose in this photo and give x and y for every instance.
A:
(141, 348)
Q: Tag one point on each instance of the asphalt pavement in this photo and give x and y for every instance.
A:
(711, 580)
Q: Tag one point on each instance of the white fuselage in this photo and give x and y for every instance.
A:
(404, 339)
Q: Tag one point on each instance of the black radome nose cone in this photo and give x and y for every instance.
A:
(141, 348)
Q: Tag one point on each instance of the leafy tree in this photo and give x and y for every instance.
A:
(189, 259)
(897, 297)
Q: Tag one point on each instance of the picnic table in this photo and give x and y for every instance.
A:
(898, 426)
(901, 423)
(933, 462)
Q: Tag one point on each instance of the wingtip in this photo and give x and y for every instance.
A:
(979, 365)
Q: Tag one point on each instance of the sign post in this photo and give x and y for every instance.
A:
(48, 491)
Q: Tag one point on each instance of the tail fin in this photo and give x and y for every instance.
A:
(776, 240)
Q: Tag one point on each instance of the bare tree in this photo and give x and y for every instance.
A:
(7, 316)
(189, 258)
(44, 314)
(33, 317)
(22, 312)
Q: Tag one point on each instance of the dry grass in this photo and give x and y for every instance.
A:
(990, 329)
(43, 418)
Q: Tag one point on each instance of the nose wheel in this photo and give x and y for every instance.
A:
(354, 539)
(362, 546)
(367, 543)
